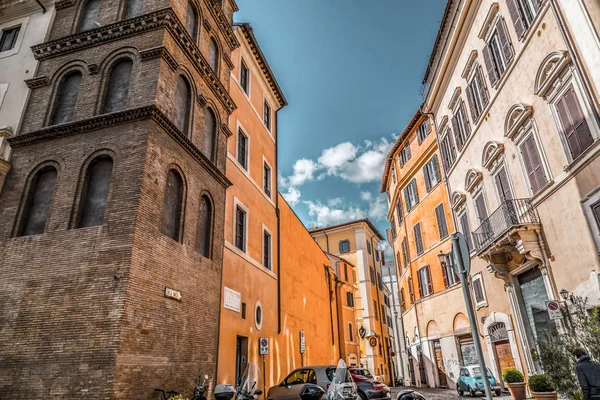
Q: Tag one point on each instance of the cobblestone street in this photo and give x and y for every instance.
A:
(441, 394)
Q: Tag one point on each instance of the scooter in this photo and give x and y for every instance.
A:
(247, 388)
(200, 389)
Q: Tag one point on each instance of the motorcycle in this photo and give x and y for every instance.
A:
(200, 389)
(247, 388)
(342, 386)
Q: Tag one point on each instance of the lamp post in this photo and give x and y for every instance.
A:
(565, 296)
(459, 259)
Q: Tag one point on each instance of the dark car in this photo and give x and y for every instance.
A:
(368, 387)
(410, 395)
(294, 384)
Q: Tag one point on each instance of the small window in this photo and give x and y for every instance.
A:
(498, 52)
(240, 228)
(372, 275)
(95, 192)
(258, 316)
(134, 8)
(522, 13)
(267, 179)
(37, 205)
(369, 247)
(350, 333)
(9, 37)
(479, 291)
(344, 246)
(66, 98)
(243, 310)
(245, 78)
(267, 249)
(533, 164)
(173, 206)
(345, 272)
(191, 21)
(460, 125)
(118, 86)
(447, 149)
(267, 115)
(376, 310)
(431, 171)
(411, 195)
(477, 94)
(405, 154)
(350, 299)
(440, 215)
(242, 155)
(423, 130)
(89, 16)
(183, 105)
(574, 125)
(213, 55)
(210, 133)
(418, 238)
(425, 283)
(204, 232)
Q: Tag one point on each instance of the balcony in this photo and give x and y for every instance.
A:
(512, 215)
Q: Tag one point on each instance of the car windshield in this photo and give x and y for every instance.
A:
(476, 371)
(362, 372)
(331, 374)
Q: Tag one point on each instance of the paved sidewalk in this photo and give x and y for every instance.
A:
(441, 394)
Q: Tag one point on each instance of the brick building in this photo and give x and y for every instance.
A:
(111, 217)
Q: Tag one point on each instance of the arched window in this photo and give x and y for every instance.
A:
(210, 129)
(118, 86)
(213, 55)
(183, 102)
(95, 192)
(38, 202)
(204, 233)
(172, 206)
(191, 21)
(133, 8)
(66, 98)
(89, 16)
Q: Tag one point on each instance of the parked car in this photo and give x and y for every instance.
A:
(367, 386)
(292, 386)
(470, 381)
(410, 395)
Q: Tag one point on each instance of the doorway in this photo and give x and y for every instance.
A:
(411, 368)
(439, 362)
(241, 357)
(422, 371)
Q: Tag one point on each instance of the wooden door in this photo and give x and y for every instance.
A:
(439, 361)
(504, 357)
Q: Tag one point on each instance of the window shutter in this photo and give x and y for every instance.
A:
(485, 95)
(517, 18)
(427, 177)
(419, 275)
(436, 169)
(416, 194)
(471, 100)
(533, 165)
(429, 281)
(481, 208)
(490, 66)
(427, 125)
(457, 135)
(507, 48)
(440, 215)
(407, 151)
(575, 126)
(502, 185)
(445, 275)
(464, 120)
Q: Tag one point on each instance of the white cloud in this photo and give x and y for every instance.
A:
(378, 208)
(292, 196)
(336, 201)
(388, 251)
(337, 156)
(304, 169)
(325, 215)
(366, 196)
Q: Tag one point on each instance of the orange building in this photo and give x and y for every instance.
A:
(421, 222)
(265, 245)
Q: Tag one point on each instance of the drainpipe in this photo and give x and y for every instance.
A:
(337, 308)
(41, 5)
(326, 240)
(278, 226)
(397, 339)
(328, 277)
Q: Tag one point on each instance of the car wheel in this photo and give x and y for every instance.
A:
(362, 396)
(460, 392)
(498, 392)
(471, 392)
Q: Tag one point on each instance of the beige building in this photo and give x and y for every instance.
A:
(513, 87)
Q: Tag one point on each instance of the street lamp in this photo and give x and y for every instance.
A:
(564, 294)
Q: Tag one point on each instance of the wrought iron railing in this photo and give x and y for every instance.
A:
(510, 213)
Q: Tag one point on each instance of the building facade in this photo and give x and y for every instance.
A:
(265, 244)
(513, 86)
(22, 25)
(399, 356)
(111, 216)
(436, 335)
(358, 243)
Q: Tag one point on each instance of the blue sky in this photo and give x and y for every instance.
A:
(351, 71)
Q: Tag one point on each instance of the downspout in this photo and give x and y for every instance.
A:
(396, 323)
(328, 277)
(41, 5)
(337, 308)
(326, 240)
(278, 226)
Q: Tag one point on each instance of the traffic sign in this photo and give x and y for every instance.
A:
(460, 249)
(263, 345)
(554, 309)
(302, 343)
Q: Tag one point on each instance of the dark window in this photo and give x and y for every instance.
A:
(402, 301)
(405, 252)
(346, 272)
(210, 134)
(240, 228)
(205, 230)
(66, 98)
(267, 249)
(267, 179)
(243, 310)
(440, 215)
(575, 127)
(38, 202)
(89, 16)
(399, 212)
(267, 115)
(418, 238)
(461, 126)
(449, 274)
(411, 195)
(344, 246)
(245, 78)
(372, 275)
(596, 211)
(350, 299)
(191, 21)
(423, 130)
(477, 94)
(498, 52)
(8, 40)
(350, 333)
(213, 55)
(95, 192)
(376, 255)
(173, 206)
(502, 185)
(533, 165)
(383, 314)
(242, 155)
(118, 86)
(376, 310)
(522, 13)
(369, 247)
(448, 150)
(405, 155)
(393, 230)
(478, 291)
(431, 171)
(425, 283)
(466, 230)
(134, 8)
(183, 105)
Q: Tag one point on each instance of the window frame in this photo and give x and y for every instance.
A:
(211, 227)
(245, 87)
(350, 299)
(428, 169)
(83, 194)
(495, 172)
(267, 115)
(447, 145)
(479, 94)
(430, 289)
(404, 155)
(593, 218)
(447, 230)
(267, 232)
(245, 165)
(464, 213)
(267, 183)
(16, 39)
(182, 211)
(460, 120)
(29, 195)
(238, 204)
(212, 40)
(345, 241)
(483, 303)
(532, 132)
(420, 250)
(411, 195)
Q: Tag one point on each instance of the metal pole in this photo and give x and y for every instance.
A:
(471, 315)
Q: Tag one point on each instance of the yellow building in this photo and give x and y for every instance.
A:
(358, 243)
(265, 244)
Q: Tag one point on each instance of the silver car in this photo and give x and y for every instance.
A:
(293, 385)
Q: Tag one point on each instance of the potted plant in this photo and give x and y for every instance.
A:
(542, 388)
(515, 381)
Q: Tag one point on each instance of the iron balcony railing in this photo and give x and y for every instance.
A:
(511, 213)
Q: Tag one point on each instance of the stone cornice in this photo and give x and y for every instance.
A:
(37, 82)
(160, 52)
(224, 25)
(164, 18)
(102, 121)
(234, 5)
(64, 4)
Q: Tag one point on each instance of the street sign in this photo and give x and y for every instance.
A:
(263, 345)
(554, 309)
(302, 343)
(173, 294)
(459, 247)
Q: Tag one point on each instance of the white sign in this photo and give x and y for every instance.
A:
(232, 300)
(173, 294)
(302, 343)
(554, 310)
(263, 346)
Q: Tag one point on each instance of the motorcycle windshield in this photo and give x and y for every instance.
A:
(339, 382)
(249, 382)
